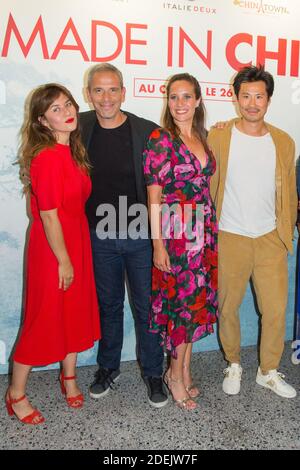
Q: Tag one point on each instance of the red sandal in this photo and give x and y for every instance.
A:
(29, 419)
(71, 401)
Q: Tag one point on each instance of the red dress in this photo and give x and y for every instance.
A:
(58, 322)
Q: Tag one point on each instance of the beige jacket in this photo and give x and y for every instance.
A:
(286, 194)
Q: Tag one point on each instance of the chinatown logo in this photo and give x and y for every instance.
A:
(188, 6)
(262, 7)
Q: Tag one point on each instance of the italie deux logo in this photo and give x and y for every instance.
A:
(189, 6)
(262, 7)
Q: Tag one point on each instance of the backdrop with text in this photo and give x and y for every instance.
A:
(149, 41)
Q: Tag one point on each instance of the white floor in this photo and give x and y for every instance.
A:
(123, 419)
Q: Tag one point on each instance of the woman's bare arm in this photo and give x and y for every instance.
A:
(55, 237)
(161, 258)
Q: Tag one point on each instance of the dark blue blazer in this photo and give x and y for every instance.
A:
(140, 131)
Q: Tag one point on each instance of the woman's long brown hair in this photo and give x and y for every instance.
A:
(198, 126)
(36, 137)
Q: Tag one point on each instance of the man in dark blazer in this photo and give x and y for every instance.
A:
(115, 141)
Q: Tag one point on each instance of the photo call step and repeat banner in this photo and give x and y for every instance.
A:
(148, 41)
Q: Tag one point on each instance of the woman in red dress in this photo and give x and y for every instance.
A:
(61, 310)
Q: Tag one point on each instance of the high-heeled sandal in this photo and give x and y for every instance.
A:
(182, 403)
(29, 419)
(192, 394)
(73, 402)
(192, 389)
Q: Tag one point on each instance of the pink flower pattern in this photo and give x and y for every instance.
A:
(188, 315)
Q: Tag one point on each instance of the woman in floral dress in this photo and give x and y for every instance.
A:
(178, 166)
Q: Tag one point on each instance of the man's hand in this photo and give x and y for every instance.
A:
(220, 125)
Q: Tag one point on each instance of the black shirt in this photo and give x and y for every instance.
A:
(111, 156)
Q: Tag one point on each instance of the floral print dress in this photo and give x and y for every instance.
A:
(184, 301)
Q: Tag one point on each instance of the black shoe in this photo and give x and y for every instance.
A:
(157, 395)
(104, 381)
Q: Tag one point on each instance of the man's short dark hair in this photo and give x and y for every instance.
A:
(253, 74)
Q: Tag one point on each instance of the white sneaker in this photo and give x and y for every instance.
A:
(232, 382)
(274, 381)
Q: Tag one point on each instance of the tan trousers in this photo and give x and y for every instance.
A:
(264, 259)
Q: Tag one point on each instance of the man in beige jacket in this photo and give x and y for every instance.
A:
(254, 190)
